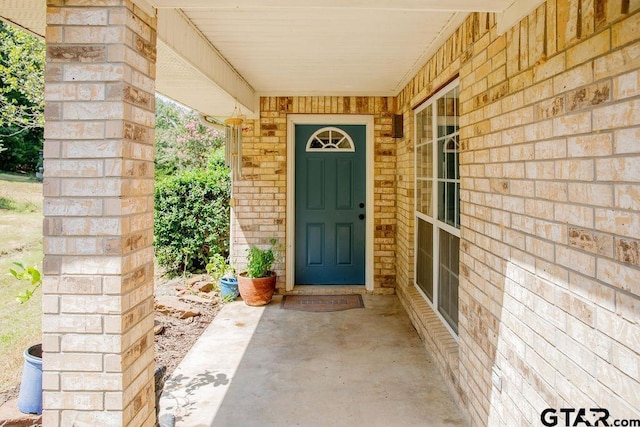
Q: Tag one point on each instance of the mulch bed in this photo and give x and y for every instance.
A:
(177, 335)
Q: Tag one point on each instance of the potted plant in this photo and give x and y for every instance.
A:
(221, 271)
(30, 396)
(258, 283)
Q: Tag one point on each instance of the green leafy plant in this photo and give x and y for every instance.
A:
(218, 267)
(260, 261)
(11, 205)
(28, 274)
(229, 298)
(191, 218)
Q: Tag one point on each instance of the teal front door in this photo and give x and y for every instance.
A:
(330, 204)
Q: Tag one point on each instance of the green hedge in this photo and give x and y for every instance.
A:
(192, 218)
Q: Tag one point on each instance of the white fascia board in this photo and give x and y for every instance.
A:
(515, 13)
(178, 34)
(406, 5)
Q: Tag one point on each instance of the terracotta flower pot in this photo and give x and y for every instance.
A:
(256, 292)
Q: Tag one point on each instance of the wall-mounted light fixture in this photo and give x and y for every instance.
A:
(398, 126)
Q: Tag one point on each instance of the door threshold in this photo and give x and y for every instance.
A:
(326, 290)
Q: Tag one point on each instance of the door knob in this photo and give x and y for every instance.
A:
(361, 205)
(361, 216)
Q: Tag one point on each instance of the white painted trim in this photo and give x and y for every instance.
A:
(187, 42)
(513, 14)
(328, 119)
(437, 225)
(402, 5)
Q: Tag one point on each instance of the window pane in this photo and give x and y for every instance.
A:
(455, 161)
(442, 119)
(451, 204)
(344, 143)
(448, 278)
(424, 125)
(456, 199)
(424, 264)
(424, 167)
(448, 174)
(442, 195)
(423, 197)
(441, 159)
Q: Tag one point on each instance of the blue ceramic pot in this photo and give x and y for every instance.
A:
(30, 397)
(229, 288)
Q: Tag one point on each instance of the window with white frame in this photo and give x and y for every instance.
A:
(330, 138)
(437, 207)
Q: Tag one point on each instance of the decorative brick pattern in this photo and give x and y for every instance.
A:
(549, 269)
(260, 195)
(98, 227)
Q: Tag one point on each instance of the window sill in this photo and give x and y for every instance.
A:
(439, 342)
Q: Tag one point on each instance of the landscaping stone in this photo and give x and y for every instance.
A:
(10, 416)
(174, 307)
(174, 282)
(203, 286)
(158, 327)
(195, 299)
(194, 279)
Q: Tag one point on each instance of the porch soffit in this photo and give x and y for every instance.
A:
(29, 15)
(192, 71)
(214, 53)
(328, 47)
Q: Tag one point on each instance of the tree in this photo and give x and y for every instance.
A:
(22, 59)
(182, 141)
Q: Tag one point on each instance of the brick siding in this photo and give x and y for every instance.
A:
(549, 277)
(98, 205)
(260, 195)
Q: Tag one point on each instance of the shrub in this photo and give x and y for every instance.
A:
(192, 218)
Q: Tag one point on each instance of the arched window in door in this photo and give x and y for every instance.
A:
(330, 138)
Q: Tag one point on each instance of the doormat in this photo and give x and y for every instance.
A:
(320, 303)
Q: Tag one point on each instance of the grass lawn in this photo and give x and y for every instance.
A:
(20, 240)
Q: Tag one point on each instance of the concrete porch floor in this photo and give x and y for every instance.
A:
(272, 367)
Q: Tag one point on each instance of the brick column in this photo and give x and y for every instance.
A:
(98, 206)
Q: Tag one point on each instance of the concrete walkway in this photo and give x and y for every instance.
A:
(272, 367)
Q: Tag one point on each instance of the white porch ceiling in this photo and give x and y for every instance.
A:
(29, 15)
(214, 53)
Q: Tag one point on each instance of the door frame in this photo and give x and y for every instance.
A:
(328, 119)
